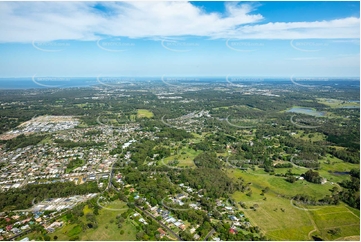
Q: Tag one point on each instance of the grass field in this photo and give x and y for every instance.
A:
(336, 164)
(185, 159)
(328, 166)
(316, 136)
(335, 103)
(105, 231)
(47, 140)
(341, 217)
(261, 179)
(87, 209)
(324, 171)
(292, 224)
(144, 113)
(198, 138)
(295, 223)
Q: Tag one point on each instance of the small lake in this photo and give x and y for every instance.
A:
(351, 106)
(307, 111)
(338, 173)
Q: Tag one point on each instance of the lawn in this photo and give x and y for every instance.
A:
(47, 140)
(132, 117)
(185, 159)
(197, 138)
(335, 103)
(333, 217)
(87, 209)
(73, 164)
(144, 113)
(334, 164)
(294, 223)
(328, 166)
(106, 230)
(279, 185)
(316, 136)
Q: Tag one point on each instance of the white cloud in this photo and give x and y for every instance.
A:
(47, 21)
(338, 28)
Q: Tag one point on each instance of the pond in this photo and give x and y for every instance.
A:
(307, 111)
(351, 106)
(338, 173)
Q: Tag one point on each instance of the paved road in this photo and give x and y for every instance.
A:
(209, 234)
(150, 215)
(161, 224)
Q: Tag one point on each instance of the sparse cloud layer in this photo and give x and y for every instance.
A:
(47, 21)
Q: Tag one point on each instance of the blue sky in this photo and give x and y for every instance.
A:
(261, 39)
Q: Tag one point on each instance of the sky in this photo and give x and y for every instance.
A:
(162, 38)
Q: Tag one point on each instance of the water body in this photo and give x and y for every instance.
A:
(338, 173)
(38, 82)
(45, 82)
(351, 106)
(29, 83)
(307, 111)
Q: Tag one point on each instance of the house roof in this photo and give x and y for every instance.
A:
(161, 231)
(196, 236)
(177, 224)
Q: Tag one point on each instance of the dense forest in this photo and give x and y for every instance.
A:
(22, 141)
(23, 198)
(213, 182)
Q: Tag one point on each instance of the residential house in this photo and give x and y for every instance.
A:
(50, 229)
(181, 196)
(178, 223)
(25, 227)
(16, 230)
(171, 220)
(193, 205)
(182, 227)
(196, 237)
(26, 220)
(142, 220)
(236, 224)
(233, 218)
(161, 232)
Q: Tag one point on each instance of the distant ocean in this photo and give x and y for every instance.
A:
(30, 83)
(69, 82)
